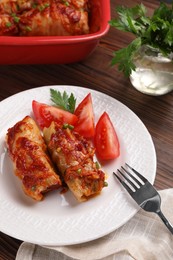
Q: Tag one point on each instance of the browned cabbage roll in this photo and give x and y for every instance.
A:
(73, 156)
(45, 17)
(32, 165)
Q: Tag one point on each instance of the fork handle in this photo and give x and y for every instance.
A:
(165, 221)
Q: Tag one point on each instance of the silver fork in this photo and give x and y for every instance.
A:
(143, 192)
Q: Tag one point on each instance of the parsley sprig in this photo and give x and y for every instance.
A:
(155, 31)
(63, 100)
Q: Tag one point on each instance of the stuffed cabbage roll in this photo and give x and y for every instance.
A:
(32, 165)
(73, 156)
(46, 17)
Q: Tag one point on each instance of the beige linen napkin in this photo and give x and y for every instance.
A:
(144, 237)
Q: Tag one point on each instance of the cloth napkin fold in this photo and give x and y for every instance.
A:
(144, 237)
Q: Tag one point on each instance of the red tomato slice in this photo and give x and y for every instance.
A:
(45, 114)
(85, 114)
(106, 140)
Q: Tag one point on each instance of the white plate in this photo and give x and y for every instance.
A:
(60, 219)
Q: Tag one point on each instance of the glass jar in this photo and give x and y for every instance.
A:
(154, 72)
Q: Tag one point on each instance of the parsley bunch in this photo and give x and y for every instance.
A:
(155, 31)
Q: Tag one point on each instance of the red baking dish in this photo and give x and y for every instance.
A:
(56, 49)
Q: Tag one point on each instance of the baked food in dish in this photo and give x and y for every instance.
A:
(44, 17)
(32, 165)
(73, 156)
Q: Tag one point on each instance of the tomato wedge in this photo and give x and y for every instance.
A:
(45, 114)
(106, 140)
(84, 112)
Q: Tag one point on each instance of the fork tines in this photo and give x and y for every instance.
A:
(131, 183)
(142, 191)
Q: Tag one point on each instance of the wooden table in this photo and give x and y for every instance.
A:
(95, 73)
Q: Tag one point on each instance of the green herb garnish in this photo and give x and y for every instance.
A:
(97, 165)
(105, 184)
(65, 2)
(28, 28)
(65, 126)
(16, 19)
(8, 24)
(34, 5)
(63, 101)
(42, 7)
(79, 171)
(155, 31)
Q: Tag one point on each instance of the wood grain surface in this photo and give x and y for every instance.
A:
(96, 73)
